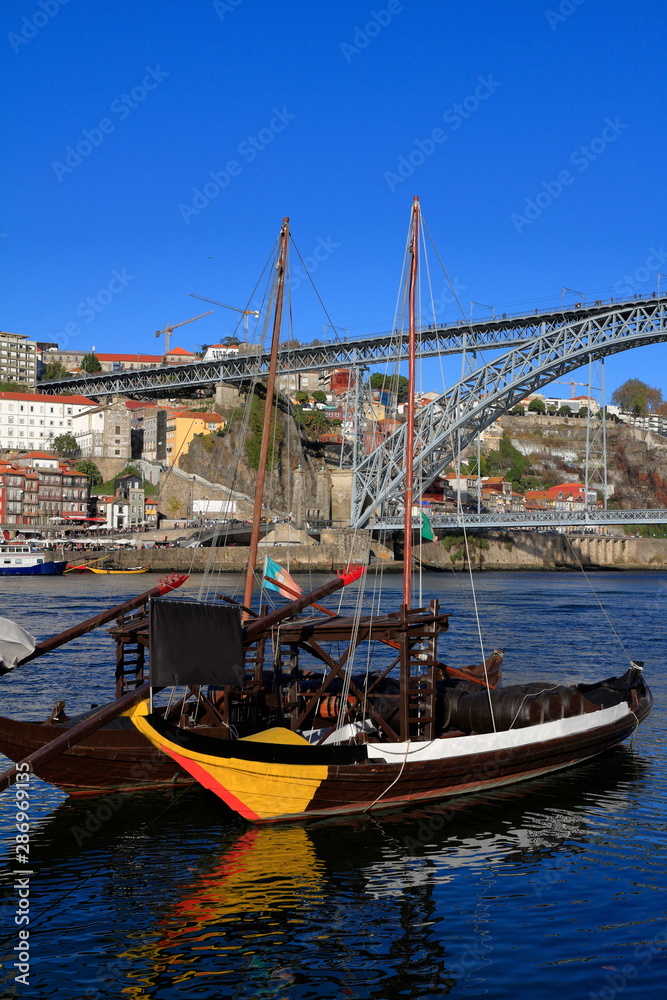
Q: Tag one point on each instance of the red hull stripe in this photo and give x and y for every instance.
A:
(208, 781)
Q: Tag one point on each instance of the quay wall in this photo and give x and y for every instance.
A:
(492, 551)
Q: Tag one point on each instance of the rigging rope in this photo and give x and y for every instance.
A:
(593, 591)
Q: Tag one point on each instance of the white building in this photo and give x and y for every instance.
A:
(104, 431)
(18, 359)
(217, 352)
(30, 421)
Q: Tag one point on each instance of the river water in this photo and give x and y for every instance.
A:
(554, 887)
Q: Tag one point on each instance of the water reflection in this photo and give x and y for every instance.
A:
(166, 896)
(165, 899)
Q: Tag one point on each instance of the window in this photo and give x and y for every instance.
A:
(117, 429)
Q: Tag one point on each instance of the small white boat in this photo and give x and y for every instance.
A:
(21, 560)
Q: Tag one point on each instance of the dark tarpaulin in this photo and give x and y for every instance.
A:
(194, 643)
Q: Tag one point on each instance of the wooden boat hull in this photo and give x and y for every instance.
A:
(116, 572)
(118, 759)
(278, 776)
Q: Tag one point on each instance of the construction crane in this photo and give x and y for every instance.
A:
(571, 385)
(244, 312)
(168, 330)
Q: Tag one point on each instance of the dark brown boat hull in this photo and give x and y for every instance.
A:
(110, 759)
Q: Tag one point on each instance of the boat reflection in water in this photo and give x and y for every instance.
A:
(417, 904)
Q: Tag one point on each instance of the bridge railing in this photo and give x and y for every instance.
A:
(528, 519)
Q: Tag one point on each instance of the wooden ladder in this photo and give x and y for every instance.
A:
(419, 656)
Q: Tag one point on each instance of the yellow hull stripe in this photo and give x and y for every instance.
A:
(258, 791)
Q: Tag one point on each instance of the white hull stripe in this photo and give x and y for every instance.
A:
(463, 746)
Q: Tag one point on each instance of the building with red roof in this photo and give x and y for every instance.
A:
(32, 421)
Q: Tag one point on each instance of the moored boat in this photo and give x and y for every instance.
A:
(278, 775)
(21, 560)
(409, 731)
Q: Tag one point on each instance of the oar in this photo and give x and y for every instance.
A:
(74, 735)
(105, 616)
(83, 565)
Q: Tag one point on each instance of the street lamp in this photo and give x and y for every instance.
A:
(484, 306)
(660, 275)
(574, 292)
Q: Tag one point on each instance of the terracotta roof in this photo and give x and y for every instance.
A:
(180, 351)
(37, 454)
(42, 398)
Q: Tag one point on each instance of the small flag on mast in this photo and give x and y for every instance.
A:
(276, 573)
(427, 530)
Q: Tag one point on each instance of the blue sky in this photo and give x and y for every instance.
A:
(309, 110)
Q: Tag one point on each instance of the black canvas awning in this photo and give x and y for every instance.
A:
(194, 643)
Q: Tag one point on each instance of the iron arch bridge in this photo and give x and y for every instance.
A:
(454, 419)
(498, 333)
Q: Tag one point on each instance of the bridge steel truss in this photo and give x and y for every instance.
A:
(495, 334)
(455, 418)
(548, 519)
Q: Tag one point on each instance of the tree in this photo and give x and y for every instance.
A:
(394, 383)
(517, 411)
(472, 466)
(90, 363)
(56, 369)
(536, 406)
(636, 397)
(231, 341)
(65, 444)
(564, 411)
(89, 469)
(319, 396)
(316, 423)
(301, 397)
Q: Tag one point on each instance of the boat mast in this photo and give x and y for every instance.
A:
(281, 265)
(410, 425)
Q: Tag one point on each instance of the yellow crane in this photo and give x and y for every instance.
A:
(244, 312)
(168, 330)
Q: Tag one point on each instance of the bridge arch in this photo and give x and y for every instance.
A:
(453, 419)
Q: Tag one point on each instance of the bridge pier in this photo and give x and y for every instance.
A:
(226, 394)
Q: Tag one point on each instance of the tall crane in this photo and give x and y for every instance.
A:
(244, 312)
(571, 384)
(168, 330)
